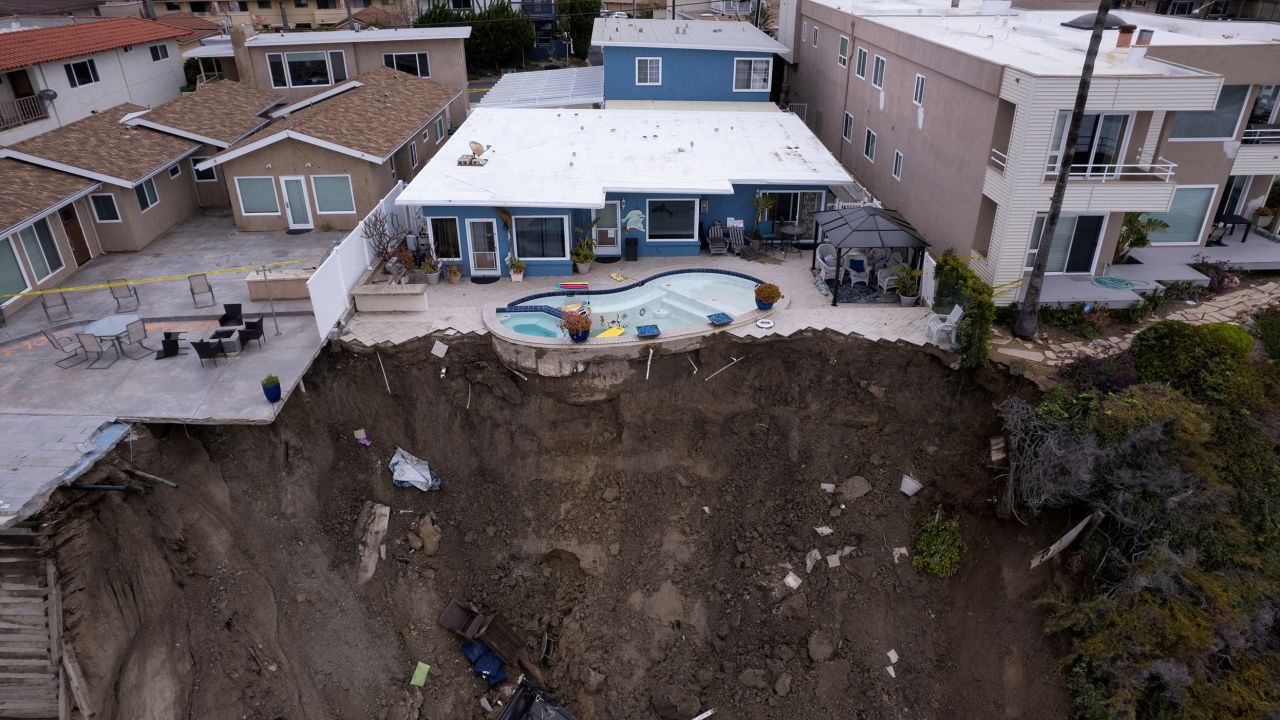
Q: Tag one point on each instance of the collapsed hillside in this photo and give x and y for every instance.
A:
(645, 529)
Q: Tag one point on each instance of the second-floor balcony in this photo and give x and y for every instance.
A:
(22, 111)
(1261, 135)
(1158, 170)
(538, 10)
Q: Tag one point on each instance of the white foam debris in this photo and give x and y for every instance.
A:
(893, 656)
(811, 559)
(899, 552)
(823, 531)
(833, 561)
(792, 580)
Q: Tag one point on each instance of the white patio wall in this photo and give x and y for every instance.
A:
(330, 286)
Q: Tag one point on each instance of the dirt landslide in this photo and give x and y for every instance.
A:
(644, 526)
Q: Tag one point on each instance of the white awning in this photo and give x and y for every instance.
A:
(571, 87)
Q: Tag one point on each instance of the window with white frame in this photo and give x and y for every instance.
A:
(752, 74)
(847, 133)
(869, 145)
(1075, 243)
(210, 175)
(333, 194)
(159, 52)
(877, 72)
(257, 195)
(444, 237)
(175, 172)
(307, 69)
(412, 63)
(42, 250)
(541, 237)
(843, 56)
(84, 72)
(673, 220)
(439, 127)
(104, 208)
(815, 36)
(413, 154)
(12, 279)
(917, 95)
(897, 164)
(649, 71)
(860, 64)
(147, 196)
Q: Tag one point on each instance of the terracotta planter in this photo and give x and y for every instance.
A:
(454, 279)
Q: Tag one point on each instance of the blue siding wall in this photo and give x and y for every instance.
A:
(686, 75)
(719, 208)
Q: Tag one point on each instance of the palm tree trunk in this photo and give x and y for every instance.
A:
(1027, 326)
(284, 16)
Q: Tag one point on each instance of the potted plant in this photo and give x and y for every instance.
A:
(1262, 216)
(583, 254)
(516, 266)
(453, 271)
(431, 269)
(766, 295)
(577, 325)
(271, 388)
(908, 284)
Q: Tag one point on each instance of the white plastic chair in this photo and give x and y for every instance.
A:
(939, 324)
(827, 261)
(857, 269)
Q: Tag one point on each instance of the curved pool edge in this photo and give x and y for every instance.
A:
(623, 288)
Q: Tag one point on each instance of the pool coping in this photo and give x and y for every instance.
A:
(498, 330)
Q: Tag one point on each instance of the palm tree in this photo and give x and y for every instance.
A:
(1027, 326)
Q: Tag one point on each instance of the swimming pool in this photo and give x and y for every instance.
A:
(672, 300)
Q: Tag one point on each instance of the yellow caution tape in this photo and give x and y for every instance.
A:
(166, 278)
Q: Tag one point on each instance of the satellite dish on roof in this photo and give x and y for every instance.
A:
(476, 148)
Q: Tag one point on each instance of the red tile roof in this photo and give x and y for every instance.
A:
(22, 48)
(196, 27)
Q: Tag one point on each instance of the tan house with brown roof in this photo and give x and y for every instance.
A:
(329, 159)
(146, 187)
(217, 115)
(45, 231)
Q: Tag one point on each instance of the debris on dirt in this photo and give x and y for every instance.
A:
(1066, 540)
(900, 552)
(412, 471)
(827, 487)
(889, 668)
(439, 349)
(812, 559)
(820, 647)
(823, 531)
(854, 488)
(833, 561)
(592, 680)
(783, 685)
(792, 580)
(674, 703)
(428, 535)
(910, 486)
(893, 656)
(420, 674)
(998, 450)
(371, 528)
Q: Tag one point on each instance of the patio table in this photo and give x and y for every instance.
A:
(792, 231)
(1232, 220)
(111, 327)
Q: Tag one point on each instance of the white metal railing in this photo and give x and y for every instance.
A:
(999, 159)
(1269, 135)
(22, 111)
(731, 7)
(1160, 169)
(800, 109)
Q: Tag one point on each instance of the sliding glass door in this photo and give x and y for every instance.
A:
(1099, 150)
(796, 208)
(1075, 243)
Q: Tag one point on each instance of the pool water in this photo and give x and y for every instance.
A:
(673, 302)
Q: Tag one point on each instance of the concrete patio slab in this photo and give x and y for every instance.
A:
(1258, 253)
(1144, 273)
(41, 452)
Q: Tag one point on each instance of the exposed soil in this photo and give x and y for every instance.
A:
(646, 526)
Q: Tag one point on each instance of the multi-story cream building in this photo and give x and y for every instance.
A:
(955, 116)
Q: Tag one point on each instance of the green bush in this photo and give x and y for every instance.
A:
(960, 285)
(1205, 361)
(1124, 413)
(1269, 331)
(938, 546)
(1227, 340)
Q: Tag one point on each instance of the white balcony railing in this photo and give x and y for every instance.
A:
(22, 111)
(1267, 135)
(733, 8)
(999, 159)
(1158, 170)
(800, 109)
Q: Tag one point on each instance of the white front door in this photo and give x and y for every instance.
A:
(482, 238)
(607, 232)
(297, 210)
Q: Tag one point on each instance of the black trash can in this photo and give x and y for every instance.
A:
(633, 249)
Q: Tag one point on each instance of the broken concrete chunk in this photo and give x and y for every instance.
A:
(854, 488)
(820, 647)
(811, 559)
(833, 561)
(893, 656)
(827, 487)
(371, 528)
(889, 668)
(823, 531)
(792, 580)
(844, 552)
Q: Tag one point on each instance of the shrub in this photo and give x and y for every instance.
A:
(1164, 351)
(1268, 326)
(938, 546)
(1103, 374)
(1124, 413)
(959, 284)
(1228, 340)
(1220, 276)
(1205, 361)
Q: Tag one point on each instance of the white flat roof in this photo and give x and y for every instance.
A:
(216, 50)
(686, 34)
(1036, 41)
(571, 158)
(869, 8)
(220, 45)
(547, 88)
(717, 105)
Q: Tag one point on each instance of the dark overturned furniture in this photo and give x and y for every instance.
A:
(467, 622)
(169, 345)
(231, 315)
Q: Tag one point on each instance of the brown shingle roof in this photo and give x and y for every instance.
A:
(376, 119)
(102, 144)
(31, 190)
(196, 27)
(22, 48)
(225, 111)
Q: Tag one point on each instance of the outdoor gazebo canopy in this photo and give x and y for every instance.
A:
(864, 228)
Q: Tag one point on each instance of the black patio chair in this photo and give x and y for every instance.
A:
(200, 286)
(208, 351)
(68, 346)
(169, 345)
(231, 315)
(55, 303)
(124, 293)
(252, 331)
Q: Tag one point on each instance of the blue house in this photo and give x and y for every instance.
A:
(684, 60)
(653, 179)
